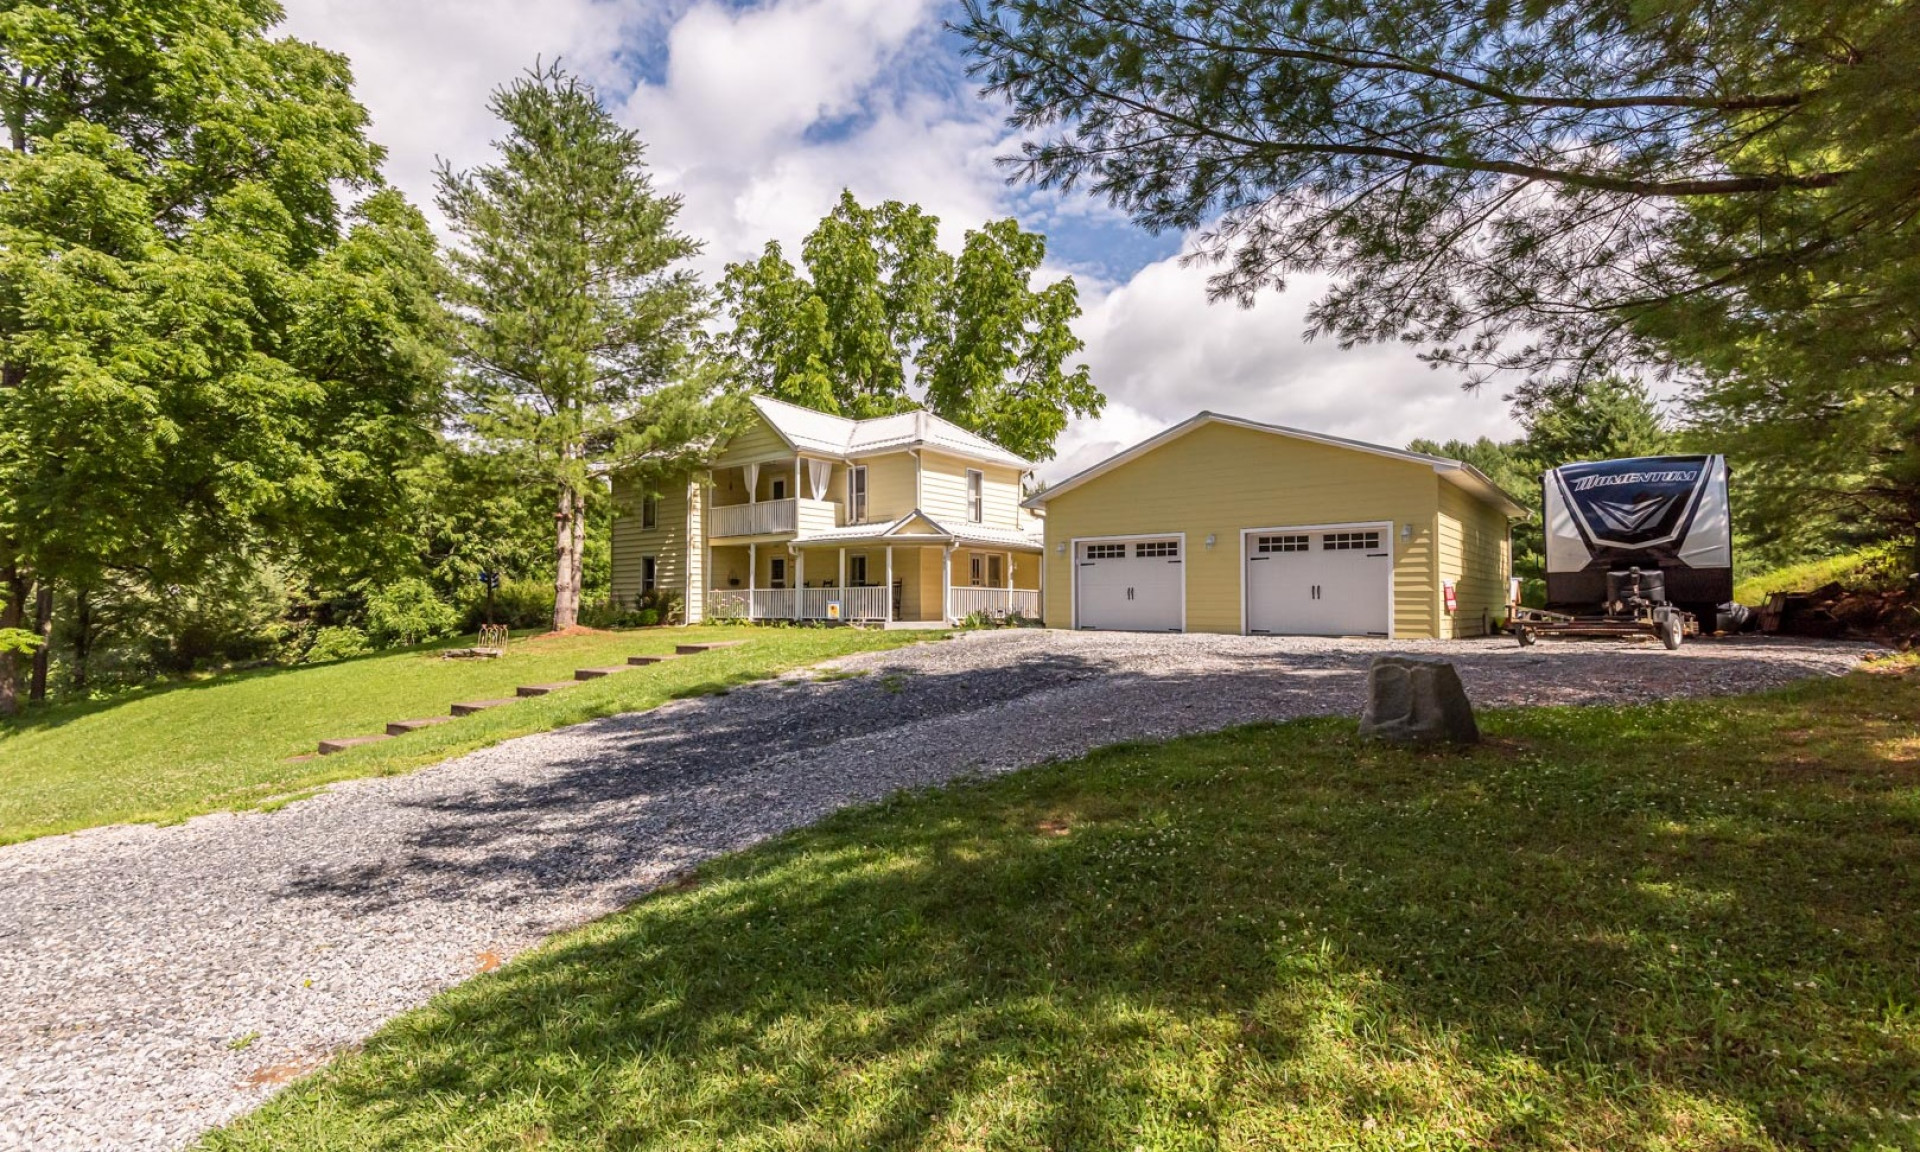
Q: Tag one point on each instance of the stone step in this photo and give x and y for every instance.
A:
(402, 727)
(472, 706)
(329, 747)
(542, 689)
(600, 673)
(644, 660)
(695, 649)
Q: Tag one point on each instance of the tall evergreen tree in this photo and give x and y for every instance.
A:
(204, 354)
(575, 312)
(883, 316)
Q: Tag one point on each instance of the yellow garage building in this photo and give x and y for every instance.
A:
(1221, 524)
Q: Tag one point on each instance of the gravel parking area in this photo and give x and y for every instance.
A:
(158, 981)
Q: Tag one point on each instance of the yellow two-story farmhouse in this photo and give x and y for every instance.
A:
(808, 516)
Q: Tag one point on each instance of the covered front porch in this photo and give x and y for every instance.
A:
(874, 580)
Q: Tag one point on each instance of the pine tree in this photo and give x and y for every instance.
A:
(575, 315)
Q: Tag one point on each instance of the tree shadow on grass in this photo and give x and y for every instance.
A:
(1683, 927)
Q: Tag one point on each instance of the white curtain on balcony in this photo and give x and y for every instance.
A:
(753, 481)
(819, 472)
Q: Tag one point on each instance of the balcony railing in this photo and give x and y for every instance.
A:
(761, 519)
(771, 517)
(996, 602)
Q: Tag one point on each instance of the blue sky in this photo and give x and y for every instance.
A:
(759, 113)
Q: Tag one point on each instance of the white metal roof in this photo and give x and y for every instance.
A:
(1456, 472)
(974, 534)
(825, 434)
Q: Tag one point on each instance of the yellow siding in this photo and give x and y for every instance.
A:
(891, 486)
(943, 492)
(666, 542)
(1220, 479)
(754, 444)
(1473, 554)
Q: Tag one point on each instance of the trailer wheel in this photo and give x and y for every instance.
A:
(1671, 630)
(1526, 636)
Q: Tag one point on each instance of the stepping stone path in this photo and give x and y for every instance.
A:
(469, 707)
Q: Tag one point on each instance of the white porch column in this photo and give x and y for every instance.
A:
(799, 580)
(1009, 575)
(843, 571)
(946, 583)
(753, 571)
(889, 587)
(797, 490)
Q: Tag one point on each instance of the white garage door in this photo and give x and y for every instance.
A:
(1315, 582)
(1129, 585)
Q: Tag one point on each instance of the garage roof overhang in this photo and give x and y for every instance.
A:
(1456, 472)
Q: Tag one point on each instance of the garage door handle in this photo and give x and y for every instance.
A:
(1376, 555)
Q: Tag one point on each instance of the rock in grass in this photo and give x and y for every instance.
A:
(1417, 700)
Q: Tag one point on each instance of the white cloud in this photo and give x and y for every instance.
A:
(424, 68)
(1162, 352)
(765, 113)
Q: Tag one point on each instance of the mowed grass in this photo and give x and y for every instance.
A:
(225, 742)
(1688, 926)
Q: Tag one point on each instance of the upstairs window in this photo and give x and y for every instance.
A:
(857, 494)
(779, 487)
(650, 511)
(976, 495)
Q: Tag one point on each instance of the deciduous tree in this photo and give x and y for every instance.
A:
(882, 318)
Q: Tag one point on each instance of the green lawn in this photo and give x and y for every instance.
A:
(1689, 926)
(225, 742)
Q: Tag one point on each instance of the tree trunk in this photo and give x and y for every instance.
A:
(82, 637)
(12, 615)
(43, 628)
(566, 580)
(579, 547)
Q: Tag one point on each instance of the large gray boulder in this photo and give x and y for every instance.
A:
(1417, 700)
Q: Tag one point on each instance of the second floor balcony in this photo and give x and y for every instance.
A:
(772, 518)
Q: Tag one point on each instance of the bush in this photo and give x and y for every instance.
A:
(517, 604)
(338, 643)
(408, 612)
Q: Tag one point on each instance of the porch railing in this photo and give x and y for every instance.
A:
(994, 602)
(812, 603)
(761, 519)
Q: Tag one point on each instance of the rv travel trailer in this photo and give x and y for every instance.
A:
(1642, 545)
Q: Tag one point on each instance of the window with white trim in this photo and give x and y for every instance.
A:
(649, 573)
(650, 511)
(857, 494)
(1269, 544)
(976, 495)
(976, 570)
(857, 571)
(996, 570)
(777, 569)
(1350, 541)
(779, 487)
(1148, 549)
(1106, 551)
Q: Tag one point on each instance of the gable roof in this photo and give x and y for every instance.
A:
(920, 527)
(823, 433)
(1456, 472)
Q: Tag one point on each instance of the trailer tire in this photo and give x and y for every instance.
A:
(1526, 636)
(1671, 629)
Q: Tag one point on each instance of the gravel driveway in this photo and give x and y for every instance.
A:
(159, 981)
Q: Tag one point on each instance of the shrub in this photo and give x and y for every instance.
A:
(408, 612)
(517, 604)
(338, 643)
